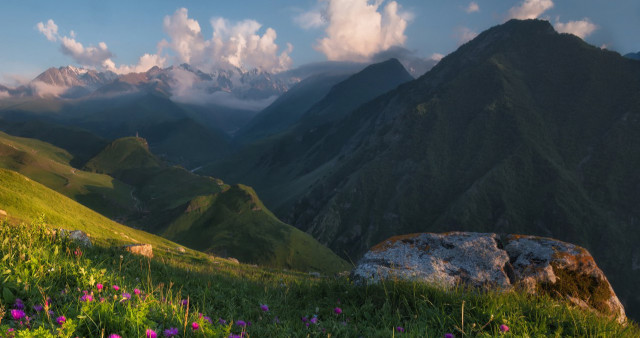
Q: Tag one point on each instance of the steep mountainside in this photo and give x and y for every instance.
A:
(281, 167)
(521, 130)
(289, 108)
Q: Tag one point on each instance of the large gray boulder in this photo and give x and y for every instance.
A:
(77, 236)
(489, 261)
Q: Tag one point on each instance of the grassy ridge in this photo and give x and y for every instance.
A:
(50, 165)
(235, 223)
(37, 266)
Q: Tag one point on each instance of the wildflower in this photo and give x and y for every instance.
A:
(195, 326)
(171, 332)
(126, 296)
(337, 310)
(136, 291)
(504, 328)
(222, 321)
(400, 329)
(264, 307)
(276, 320)
(231, 335)
(151, 334)
(50, 312)
(19, 304)
(241, 323)
(101, 299)
(208, 319)
(307, 324)
(99, 287)
(304, 319)
(17, 314)
(86, 298)
(314, 320)
(184, 302)
(449, 335)
(61, 320)
(113, 335)
(38, 308)
(115, 287)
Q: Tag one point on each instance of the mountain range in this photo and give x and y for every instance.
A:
(521, 130)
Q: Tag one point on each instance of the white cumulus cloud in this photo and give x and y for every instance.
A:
(311, 19)
(44, 89)
(88, 56)
(146, 62)
(472, 7)
(580, 28)
(4, 94)
(358, 29)
(236, 44)
(50, 29)
(530, 9)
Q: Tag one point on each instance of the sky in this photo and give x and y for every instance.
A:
(276, 35)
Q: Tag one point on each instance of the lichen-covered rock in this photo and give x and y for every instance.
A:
(544, 265)
(534, 264)
(445, 259)
(77, 236)
(140, 249)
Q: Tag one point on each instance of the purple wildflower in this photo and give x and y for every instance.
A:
(171, 332)
(17, 314)
(314, 320)
(19, 304)
(231, 335)
(504, 328)
(151, 334)
(400, 329)
(126, 296)
(304, 319)
(307, 324)
(38, 308)
(184, 302)
(241, 323)
(61, 320)
(208, 319)
(264, 307)
(337, 310)
(86, 298)
(222, 321)
(449, 335)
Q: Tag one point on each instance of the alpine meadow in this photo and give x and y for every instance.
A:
(320, 168)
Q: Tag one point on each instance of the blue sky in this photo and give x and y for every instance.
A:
(304, 30)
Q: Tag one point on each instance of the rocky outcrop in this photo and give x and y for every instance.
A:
(484, 260)
(140, 249)
(3, 213)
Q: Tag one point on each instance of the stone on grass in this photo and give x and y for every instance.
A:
(489, 261)
(77, 236)
(140, 249)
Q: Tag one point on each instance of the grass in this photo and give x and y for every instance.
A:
(37, 265)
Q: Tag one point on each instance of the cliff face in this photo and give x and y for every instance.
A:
(535, 265)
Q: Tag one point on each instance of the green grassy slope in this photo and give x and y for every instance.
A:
(24, 199)
(49, 165)
(218, 295)
(232, 223)
(235, 223)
